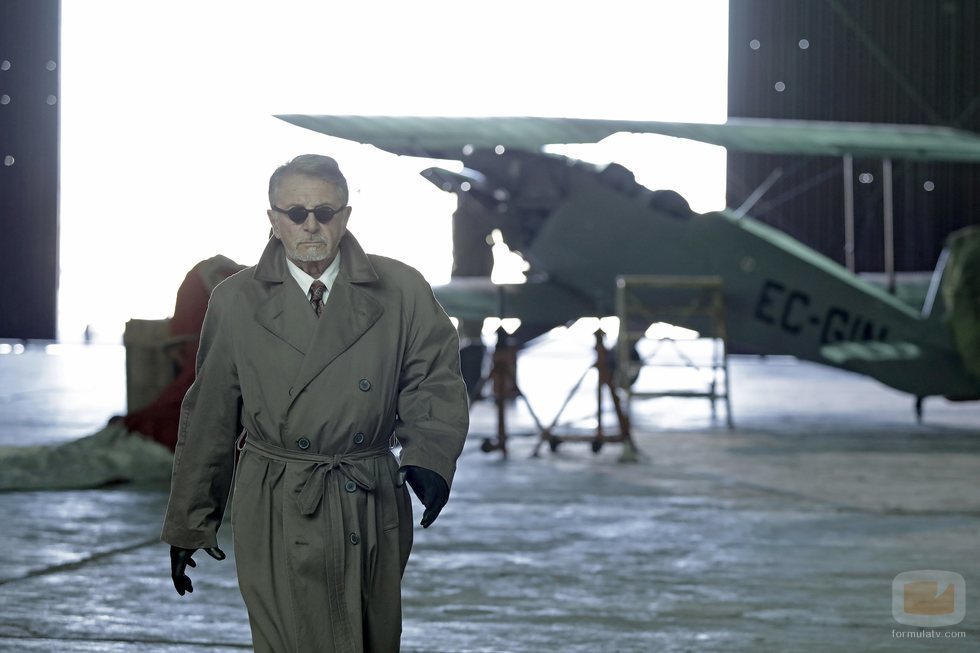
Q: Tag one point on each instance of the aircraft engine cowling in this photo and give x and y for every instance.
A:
(961, 294)
(670, 202)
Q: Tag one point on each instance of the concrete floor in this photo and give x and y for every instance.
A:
(783, 535)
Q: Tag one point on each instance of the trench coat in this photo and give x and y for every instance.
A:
(322, 534)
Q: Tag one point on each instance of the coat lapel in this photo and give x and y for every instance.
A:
(279, 312)
(349, 312)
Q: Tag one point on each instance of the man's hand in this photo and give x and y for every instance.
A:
(180, 559)
(429, 487)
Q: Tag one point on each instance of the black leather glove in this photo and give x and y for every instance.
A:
(180, 559)
(429, 487)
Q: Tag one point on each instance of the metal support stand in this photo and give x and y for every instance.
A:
(503, 379)
(602, 364)
(704, 300)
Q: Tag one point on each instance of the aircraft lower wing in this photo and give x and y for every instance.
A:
(900, 365)
(477, 298)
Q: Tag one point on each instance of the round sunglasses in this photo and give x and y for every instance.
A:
(297, 214)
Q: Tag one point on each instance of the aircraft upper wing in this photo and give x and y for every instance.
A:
(445, 137)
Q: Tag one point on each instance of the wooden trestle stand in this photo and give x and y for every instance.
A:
(603, 360)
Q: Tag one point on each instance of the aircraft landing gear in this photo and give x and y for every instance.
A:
(471, 366)
(918, 409)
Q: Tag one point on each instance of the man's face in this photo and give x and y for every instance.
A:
(308, 241)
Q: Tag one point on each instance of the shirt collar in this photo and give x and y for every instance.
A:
(305, 281)
(355, 266)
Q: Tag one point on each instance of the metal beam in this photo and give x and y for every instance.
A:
(849, 212)
(885, 62)
(757, 194)
(889, 223)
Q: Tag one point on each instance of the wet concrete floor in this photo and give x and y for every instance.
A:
(782, 535)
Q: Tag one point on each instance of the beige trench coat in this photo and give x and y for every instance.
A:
(321, 532)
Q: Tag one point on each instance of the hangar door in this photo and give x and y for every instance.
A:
(29, 111)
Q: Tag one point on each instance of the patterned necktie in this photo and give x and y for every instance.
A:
(316, 296)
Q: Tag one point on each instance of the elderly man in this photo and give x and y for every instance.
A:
(327, 355)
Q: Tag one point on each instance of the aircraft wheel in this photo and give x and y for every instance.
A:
(596, 446)
(553, 444)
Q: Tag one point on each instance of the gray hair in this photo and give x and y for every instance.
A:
(311, 165)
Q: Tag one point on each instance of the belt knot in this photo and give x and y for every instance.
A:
(349, 464)
(316, 483)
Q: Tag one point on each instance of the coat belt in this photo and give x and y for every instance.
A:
(350, 464)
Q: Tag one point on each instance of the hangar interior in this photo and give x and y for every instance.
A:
(779, 509)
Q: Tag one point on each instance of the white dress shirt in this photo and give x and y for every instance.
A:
(305, 281)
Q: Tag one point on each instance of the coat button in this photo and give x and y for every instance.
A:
(358, 438)
(364, 385)
(354, 539)
(350, 486)
(303, 443)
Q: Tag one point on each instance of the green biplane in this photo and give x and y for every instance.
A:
(580, 226)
